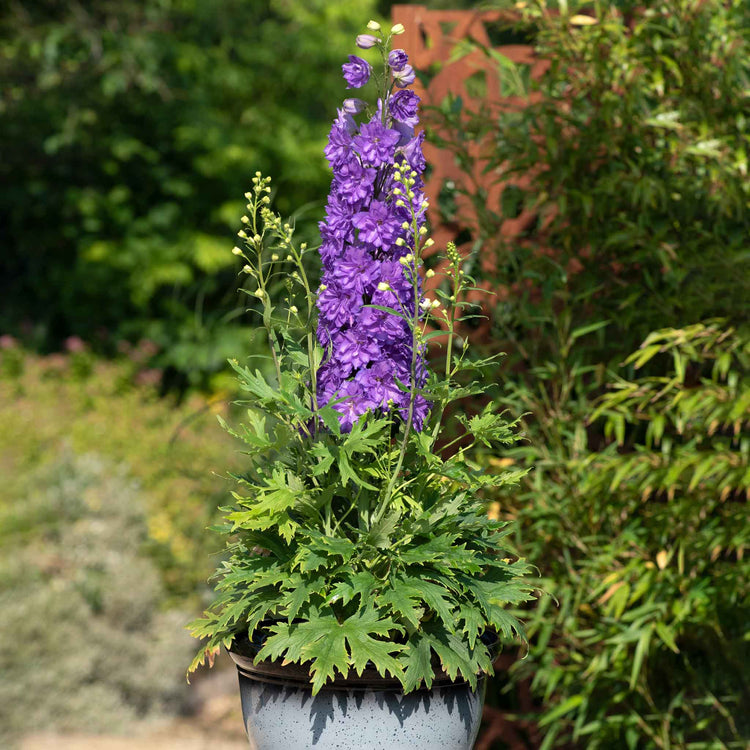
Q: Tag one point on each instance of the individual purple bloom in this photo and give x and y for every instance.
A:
(403, 106)
(339, 147)
(339, 218)
(405, 76)
(354, 349)
(338, 306)
(354, 404)
(397, 59)
(366, 41)
(382, 325)
(379, 382)
(353, 106)
(356, 270)
(356, 72)
(413, 153)
(376, 143)
(378, 226)
(355, 182)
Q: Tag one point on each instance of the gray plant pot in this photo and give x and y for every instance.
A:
(366, 713)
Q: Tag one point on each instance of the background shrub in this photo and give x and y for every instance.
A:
(83, 643)
(632, 156)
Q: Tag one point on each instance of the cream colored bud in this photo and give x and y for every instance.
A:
(322, 288)
(400, 241)
(289, 257)
(405, 225)
(256, 239)
(397, 29)
(429, 242)
(373, 26)
(303, 247)
(247, 269)
(274, 257)
(293, 310)
(429, 273)
(400, 203)
(403, 261)
(410, 195)
(245, 220)
(435, 304)
(248, 196)
(265, 199)
(259, 293)
(383, 286)
(257, 174)
(423, 230)
(242, 234)
(397, 191)
(236, 251)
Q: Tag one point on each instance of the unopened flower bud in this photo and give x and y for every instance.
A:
(274, 257)
(383, 286)
(322, 288)
(242, 234)
(423, 230)
(435, 303)
(248, 196)
(429, 242)
(293, 310)
(400, 203)
(247, 269)
(245, 220)
(429, 273)
(373, 26)
(236, 251)
(265, 199)
(365, 41)
(259, 293)
(289, 257)
(353, 106)
(397, 191)
(400, 241)
(405, 225)
(397, 29)
(257, 174)
(256, 239)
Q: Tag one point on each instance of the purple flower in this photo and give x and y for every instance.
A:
(354, 181)
(338, 306)
(405, 76)
(366, 41)
(353, 106)
(356, 270)
(376, 143)
(397, 59)
(356, 349)
(377, 226)
(403, 105)
(379, 381)
(356, 72)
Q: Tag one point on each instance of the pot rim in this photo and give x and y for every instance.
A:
(243, 653)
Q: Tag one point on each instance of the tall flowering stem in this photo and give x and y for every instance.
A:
(370, 300)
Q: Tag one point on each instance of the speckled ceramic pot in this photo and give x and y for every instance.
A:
(366, 713)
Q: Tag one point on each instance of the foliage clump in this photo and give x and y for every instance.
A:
(83, 643)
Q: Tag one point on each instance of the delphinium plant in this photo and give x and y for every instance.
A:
(358, 535)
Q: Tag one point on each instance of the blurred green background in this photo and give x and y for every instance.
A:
(128, 134)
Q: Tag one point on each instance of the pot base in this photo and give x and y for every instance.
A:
(280, 717)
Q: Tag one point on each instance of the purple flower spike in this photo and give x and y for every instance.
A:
(356, 72)
(368, 363)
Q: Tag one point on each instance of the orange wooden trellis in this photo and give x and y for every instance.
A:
(430, 38)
